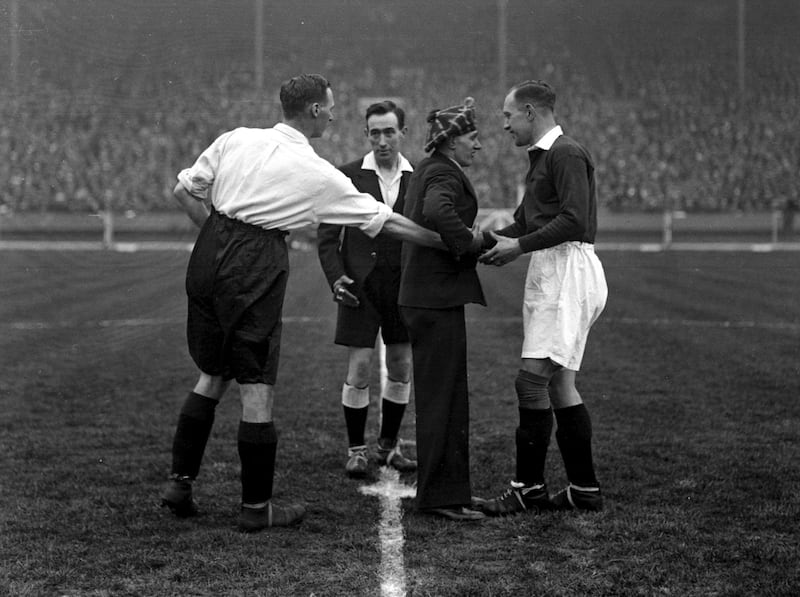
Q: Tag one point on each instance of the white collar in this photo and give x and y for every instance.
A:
(546, 141)
(369, 163)
(291, 132)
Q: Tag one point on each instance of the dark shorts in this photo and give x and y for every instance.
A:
(235, 282)
(358, 326)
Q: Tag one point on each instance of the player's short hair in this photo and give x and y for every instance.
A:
(300, 91)
(387, 107)
(535, 92)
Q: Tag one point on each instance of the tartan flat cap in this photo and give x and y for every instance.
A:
(450, 122)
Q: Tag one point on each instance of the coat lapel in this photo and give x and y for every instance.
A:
(368, 181)
(401, 195)
(468, 185)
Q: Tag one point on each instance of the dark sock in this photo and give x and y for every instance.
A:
(533, 439)
(356, 421)
(191, 434)
(391, 419)
(574, 437)
(258, 443)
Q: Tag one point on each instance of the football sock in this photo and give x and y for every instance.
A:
(391, 419)
(257, 443)
(355, 402)
(574, 437)
(533, 440)
(356, 420)
(535, 426)
(191, 434)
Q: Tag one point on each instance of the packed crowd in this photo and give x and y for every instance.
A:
(666, 121)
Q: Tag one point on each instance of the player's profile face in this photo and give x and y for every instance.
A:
(465, 147)
(324, 114)
(384, 136)
(516, 122)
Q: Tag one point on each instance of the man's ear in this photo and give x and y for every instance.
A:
(314, 110)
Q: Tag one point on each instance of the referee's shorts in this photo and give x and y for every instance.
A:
(358, 326)
(235, 282)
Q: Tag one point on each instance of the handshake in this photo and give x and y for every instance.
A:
(342, 295)
(504, 250)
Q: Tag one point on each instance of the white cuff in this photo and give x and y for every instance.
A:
(353, 397)
(375, 225)
(397, 391)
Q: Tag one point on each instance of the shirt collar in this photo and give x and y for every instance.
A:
(369, 163)
(291, 132)
(546, 141)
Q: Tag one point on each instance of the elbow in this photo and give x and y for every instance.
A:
(430, 211)
(577, 224)
(180, 194)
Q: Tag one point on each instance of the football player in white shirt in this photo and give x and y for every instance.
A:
(265, 182)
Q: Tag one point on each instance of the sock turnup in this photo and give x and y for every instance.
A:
(398, 392)
(353, 397)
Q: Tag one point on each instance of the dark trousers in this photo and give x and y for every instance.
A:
(439, 347)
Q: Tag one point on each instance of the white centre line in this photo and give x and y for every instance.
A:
(390, 491)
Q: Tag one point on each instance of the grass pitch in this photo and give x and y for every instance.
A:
(692, 376)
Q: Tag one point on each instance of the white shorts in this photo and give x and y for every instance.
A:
(565, 292)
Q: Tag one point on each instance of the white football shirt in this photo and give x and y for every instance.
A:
(274, 179)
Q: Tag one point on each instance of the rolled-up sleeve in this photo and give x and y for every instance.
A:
(199, 178)
(196, 186)
(339, 202)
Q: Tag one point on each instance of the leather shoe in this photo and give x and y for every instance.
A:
(457, 513)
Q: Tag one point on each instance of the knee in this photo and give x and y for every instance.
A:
(532, 390)
(358, 372)
(398, 366)
(564, 394)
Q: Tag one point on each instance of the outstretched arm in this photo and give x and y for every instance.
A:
(401, 227)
